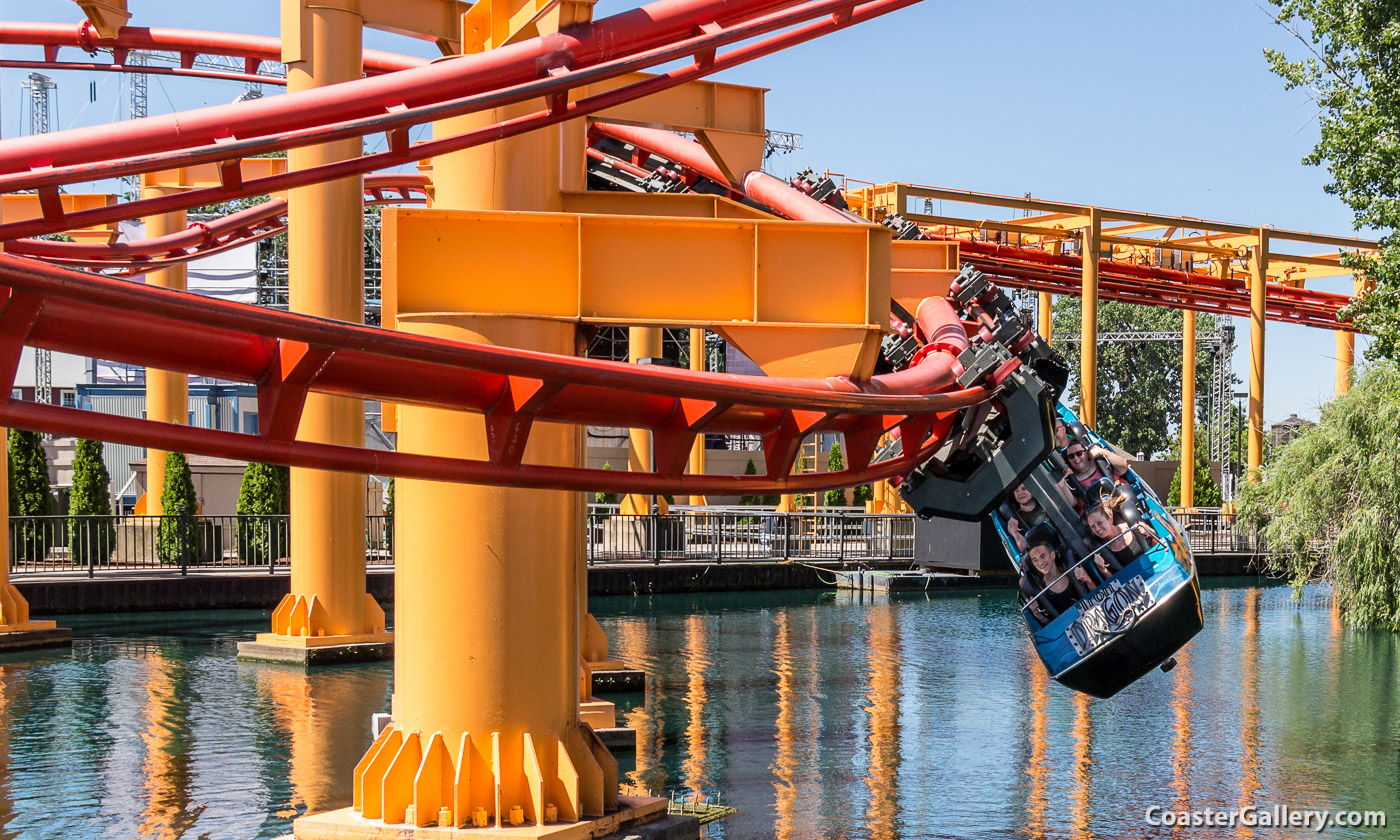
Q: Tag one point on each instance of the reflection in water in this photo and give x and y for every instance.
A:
(1181, 734)
(785, 747)
(8, 674)
(325, 719)
(882, 813)
(634, 640)
(1249, 705)
(920, 718)
(695, 770)
(1037, 768)
(167, 771)
(1082, 768)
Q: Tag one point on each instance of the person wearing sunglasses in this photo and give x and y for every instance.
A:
(1085, 470)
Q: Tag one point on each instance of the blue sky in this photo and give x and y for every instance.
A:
(1165, 106)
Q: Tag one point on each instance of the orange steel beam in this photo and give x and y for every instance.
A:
(20, 207)
(287, 355)
(761, 278)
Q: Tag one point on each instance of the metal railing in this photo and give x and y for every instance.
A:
(92, 544)
(1211, 531)
(718, 535)
(49, 544)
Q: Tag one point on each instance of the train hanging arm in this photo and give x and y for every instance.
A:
(969, 482)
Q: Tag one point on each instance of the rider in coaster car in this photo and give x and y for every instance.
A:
(1090, 465)
(1043, 580)
(1117, 521)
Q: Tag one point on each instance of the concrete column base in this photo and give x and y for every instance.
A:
(633, 813)
(34, 634)
(311, 651)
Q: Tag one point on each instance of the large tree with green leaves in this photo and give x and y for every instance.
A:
(1139, 382)
(835, 463)
(263, 505)
(1349, 63)
(91, 532)
(30, 495)
(1328, 505)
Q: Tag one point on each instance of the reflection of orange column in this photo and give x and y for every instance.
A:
(785, 756)
(1037, 768)
(634, 646)
(882, 776)
(1249, 706)
(696, 767)
(7, 810)
(1181, 740)
(1081, 797)
(166, 762)
(322, 718)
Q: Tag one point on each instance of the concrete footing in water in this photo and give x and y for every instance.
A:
(42, 637)
(637, 816)
(315, 655)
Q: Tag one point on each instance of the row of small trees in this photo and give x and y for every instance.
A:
(91, 532)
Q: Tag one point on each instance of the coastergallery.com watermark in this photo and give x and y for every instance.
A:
(1277, 816)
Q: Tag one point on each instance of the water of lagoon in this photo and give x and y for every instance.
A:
(816, 715)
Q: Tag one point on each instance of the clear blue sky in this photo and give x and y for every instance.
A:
(1164, 106)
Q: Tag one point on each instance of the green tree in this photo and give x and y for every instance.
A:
(1139, 382)
(29, 496)
(605, 498)
(835, 463)
(264, 498)
(389, 518)
(1328, 506)
(750, 501)
(1207, 492)
(179, 534)
(1351, 73)
(91, 531)
(862, 493)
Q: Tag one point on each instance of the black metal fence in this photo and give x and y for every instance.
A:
(1212, 531)
(717, 535)
(48, 544)
(92, 544)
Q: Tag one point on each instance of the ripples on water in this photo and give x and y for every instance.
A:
(816, 715)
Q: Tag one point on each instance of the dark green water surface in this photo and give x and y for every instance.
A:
(816, 715)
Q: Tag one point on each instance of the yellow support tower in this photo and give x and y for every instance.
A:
(167, 392)
(328, 616)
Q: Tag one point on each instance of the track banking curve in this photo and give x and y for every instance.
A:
(288, 355)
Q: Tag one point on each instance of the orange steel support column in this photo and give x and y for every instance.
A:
(167, 392)
(328, 605)
(1188, 408)
(16, 630)
(642, 343)
(486, 727)
(1045, 310)
(1346, 347)
(1258, 277)
(1089, 322)
(697, 455)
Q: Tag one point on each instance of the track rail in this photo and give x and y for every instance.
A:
(287, 355)
(545, 67)
(203, 239)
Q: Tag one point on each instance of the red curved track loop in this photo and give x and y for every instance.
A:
(288, 355)
(251, 50)
(1020, 267)
(546, 67)
(202, 239)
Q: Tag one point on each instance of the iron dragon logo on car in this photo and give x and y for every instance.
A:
(1108, 611)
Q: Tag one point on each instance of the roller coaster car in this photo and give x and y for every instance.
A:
(1137, 617)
